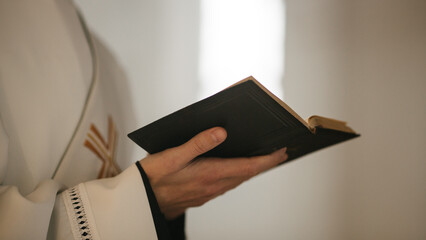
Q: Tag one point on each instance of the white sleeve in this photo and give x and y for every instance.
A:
(110, 208)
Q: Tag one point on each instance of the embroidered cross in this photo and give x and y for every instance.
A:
(104, 150)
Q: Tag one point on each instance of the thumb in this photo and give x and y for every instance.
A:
(201, 143)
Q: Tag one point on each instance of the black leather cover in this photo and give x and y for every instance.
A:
(256, 124)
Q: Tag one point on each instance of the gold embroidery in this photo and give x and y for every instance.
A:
(104, 150)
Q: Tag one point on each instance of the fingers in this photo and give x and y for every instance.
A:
(263, 163)
(249, 167)
(206, 179)
(201, 143)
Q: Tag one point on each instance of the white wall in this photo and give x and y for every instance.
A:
(363, 61)
(157, 44)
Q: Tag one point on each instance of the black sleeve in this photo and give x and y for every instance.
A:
(166, 230)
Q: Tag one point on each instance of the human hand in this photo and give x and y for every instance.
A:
(180, 183)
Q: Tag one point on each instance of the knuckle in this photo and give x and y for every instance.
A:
(199, 146)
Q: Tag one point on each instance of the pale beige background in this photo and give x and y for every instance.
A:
(363, 61)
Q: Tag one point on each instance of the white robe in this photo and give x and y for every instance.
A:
(64, 115)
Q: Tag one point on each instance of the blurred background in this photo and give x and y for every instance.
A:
(362, 61)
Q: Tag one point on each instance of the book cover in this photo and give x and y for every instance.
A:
(257, 123)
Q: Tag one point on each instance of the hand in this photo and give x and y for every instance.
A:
(179, 183)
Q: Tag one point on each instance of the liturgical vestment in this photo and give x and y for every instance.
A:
(65, 169)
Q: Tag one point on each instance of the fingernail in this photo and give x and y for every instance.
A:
(218, 135)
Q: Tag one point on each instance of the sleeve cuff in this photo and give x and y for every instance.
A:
(113, 207)
(166, 230)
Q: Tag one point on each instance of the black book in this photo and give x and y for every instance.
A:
(257, 123)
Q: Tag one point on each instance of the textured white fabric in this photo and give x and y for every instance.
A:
(118, 200)
(44, 63)
(59, 222)
(26, 217)
(49, 106)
